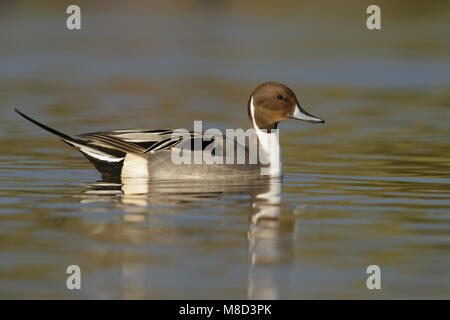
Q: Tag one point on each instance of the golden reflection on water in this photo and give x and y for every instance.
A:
(265, 245)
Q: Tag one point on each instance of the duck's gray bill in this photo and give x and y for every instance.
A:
(300, 114)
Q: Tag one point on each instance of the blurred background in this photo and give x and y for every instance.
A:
(371, 186)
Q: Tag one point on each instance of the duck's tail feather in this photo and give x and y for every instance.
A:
(47, 128)
(102, 158)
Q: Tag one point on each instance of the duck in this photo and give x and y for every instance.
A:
(155, 154)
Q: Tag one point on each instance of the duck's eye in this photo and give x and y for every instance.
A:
(280, 97)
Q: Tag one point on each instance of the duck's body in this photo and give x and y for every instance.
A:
(154, 161)
(152, 153)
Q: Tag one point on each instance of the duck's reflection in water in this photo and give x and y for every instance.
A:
(270, 236)
(270, 240)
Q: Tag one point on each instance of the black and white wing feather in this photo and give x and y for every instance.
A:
(107, 150)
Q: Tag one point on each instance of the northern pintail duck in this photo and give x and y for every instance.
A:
(148, 153)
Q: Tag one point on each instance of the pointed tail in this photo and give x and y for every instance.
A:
(43, 126)
(105, 160)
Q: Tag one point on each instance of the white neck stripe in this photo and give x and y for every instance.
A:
(270, 142)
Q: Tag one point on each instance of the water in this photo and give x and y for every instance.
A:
(371, 186)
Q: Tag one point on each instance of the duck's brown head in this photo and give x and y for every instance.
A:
(272, 102)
